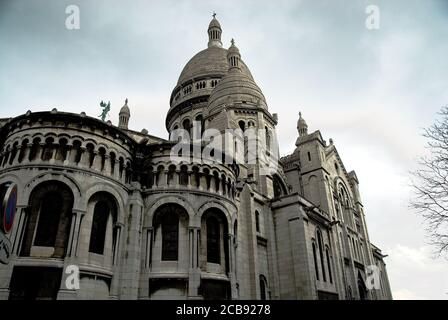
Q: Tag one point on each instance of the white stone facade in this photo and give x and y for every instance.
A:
(112, 202)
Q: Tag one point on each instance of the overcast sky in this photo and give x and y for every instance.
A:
(372, 91)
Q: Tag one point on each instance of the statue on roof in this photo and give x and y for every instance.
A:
(106, 109)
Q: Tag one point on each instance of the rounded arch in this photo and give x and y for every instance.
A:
(214, 204)
(214, 244)
(14, 178)
(149, 215)
(49, 219)
(362, 290)
(169, 221)
(114, 192)
(102, 205)
(280, 187)
(55, 176)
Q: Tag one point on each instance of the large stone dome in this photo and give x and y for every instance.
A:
(211, 62)
(236, 87)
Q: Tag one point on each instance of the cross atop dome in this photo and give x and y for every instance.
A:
(214, 15)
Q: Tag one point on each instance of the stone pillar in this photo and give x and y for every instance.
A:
(189, 173)
(107, 165)
(117, 170)
(54, 148)
(84, 162)
(26, 153)
(131, 263)
(15, 158)
(97, 161)
(212, 183)
(116, 255)
(194, 274)
(114, 287)
(232, 267)
(17, 232)
(202, 181)
(41, 151)
(148, 247)
(70, 156)
(123, 174)
(74, 233)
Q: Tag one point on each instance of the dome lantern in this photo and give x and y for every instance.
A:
(214, 33)
(234, 57)
(302, 127)
(125, 114)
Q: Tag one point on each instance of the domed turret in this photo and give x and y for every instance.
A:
(125, 114)
(214, 33)
(302, 127)
(234, 57)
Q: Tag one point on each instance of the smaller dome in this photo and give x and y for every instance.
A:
(301, 122)
(302, 127)
(214, 24)
(125, 109)
(233, 49)
(235, 86)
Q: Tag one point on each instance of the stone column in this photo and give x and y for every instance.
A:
(41, 151)
(54, 148)
(17, 232)
(189, 179)
(202, 181)
(232, 268)
(97, 161)
(117, 170)
(107, 165)
(116, 254)
(194, 274)
(131, 263)
(114, 287)
(70, 156)
(148, 247)
(26, 153)
(74, 233)
(15, 158)
(84, 162)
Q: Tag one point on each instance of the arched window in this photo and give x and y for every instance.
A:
(329, 265)
(321, 254)
(99, 226)
(213, 240)
(235, 232)
(49, 216)
(257, 221)
(47, 153)
(187, 125)
(242, 125)
(263, 288)
(316, 267)
(171, 175)
(199, 126)
(170, 236)
(183, 175)
(104, 208)
(279, 189)
(268, 139)
(49, 219)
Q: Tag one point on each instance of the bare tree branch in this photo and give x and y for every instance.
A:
(430, 183)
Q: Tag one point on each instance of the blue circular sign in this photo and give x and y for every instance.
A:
(9, 208)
